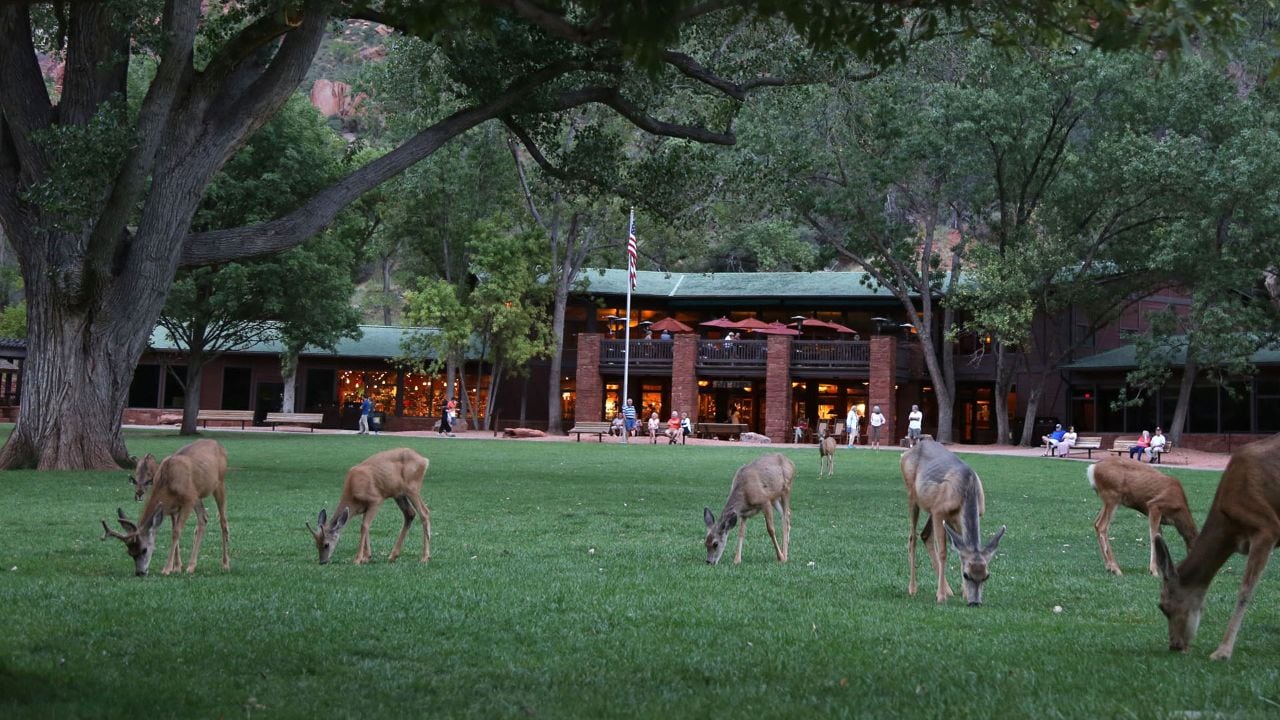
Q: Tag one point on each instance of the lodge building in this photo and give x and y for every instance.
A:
(834, 339)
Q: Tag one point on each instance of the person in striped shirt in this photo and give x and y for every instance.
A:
(629, 415)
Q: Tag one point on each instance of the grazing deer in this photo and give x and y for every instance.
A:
(1120, 481)
(178, 485)
(762, 485)
(826, 456)
(394, 474)
(950, 491)
(1244, 518)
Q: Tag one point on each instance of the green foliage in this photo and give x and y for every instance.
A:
(13, 321)
(567, 580)
(83, 161)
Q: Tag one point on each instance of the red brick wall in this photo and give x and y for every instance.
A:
(684, 375)
(777, 403)
(589, 393)
(884, 363)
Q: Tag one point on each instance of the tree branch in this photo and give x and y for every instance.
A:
(25, 101)
(97, 62)
(532, 148)
(611, 97)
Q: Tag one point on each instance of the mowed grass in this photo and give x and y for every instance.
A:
(568, 580)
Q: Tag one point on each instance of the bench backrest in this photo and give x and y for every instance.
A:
(295, 417)
(590, 426)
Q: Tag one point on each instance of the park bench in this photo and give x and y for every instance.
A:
(1121, 448)
(1088, 444)
(906, 442)
(715, 430)
(227, 416)
(599, 429)
(307, 419)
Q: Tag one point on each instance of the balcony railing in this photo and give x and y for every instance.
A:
(644, 353)
(732, 354)
(834, 354)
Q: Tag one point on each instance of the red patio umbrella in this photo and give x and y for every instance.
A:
(841, 328)
(720, 322)
(751, 324)
(670, 325)
(776, 328)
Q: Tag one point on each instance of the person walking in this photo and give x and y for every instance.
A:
(851, 425)
(446, 418)
(915, 423)
(875, 422)
(629, 420)
(366, 407)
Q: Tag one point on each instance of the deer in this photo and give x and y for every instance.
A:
(943, 485)
(1136, 485)
(826, 456)
(393, 474)
(178, 486)
(761, 486)
(1244, 518)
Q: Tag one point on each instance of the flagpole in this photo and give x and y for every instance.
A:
(626, 326)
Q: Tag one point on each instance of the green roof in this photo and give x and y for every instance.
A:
(822, 285)
(1125, 357)
(376, 341)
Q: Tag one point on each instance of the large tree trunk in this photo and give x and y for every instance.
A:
(554, 420)
(1029, 420)
(1004, 382)
(191, 394)
(1189, 373)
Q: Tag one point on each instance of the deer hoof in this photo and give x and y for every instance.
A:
(1221, 654)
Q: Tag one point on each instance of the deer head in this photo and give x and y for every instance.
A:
(140, 541)
(143, 476)
(327, 533)
(717, 533)
(974, 561)
(1181, 605)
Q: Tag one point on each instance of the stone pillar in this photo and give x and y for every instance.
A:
(777, 402)
(589, 403)
(883, 371)
(684, 376)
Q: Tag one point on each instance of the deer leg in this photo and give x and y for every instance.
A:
(220, 499)
(175, 552)
(1102, 525)
(202, 519)
(786, 527)
(426, 524)
(365, 553)
(913, 512)
(407, 509)
(940, 559)
(768, 524)
(742, 534)
(1154, 521)
(1259, 553)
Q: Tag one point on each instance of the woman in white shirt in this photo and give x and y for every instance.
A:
(915, 422)
(876, 421)
(1064, 445)
(851, 423)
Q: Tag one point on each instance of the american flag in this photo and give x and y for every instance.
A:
(631, 249)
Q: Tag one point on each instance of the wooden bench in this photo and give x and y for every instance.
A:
(712, 429)
(311, 419)
(906, 441)
(599, 429)
(240, 416)
(1122, 447)
(1088, 444)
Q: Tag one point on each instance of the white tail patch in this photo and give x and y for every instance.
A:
(1089, 471)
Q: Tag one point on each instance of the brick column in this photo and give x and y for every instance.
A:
(589, 403)
(777, 403)
(684, 376)
(884, 369)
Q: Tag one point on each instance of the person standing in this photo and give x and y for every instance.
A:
(851, 424)
(876, 422)
(366, 407)
(629, 420)
(446, 418)
(915, 423)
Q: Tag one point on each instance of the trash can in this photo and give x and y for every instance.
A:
(376, 420)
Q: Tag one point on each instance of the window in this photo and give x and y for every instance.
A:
(144, 391)
(1109, 418)
(1235, 410)
(174, 393)
(1268, 406)
(237, 388)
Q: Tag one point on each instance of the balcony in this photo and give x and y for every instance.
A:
(645, 354)
(719, 357)
(830, 356)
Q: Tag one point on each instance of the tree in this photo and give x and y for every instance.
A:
(98, 199)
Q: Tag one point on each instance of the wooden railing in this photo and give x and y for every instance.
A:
(842, 354)
(733, 353)
(644, 353)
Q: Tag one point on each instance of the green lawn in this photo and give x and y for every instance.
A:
(568, 580)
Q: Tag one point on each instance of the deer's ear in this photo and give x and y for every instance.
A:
(154, 521)
(340, 520)
(125, 522)
(1164, 560)
(957, 542)
(322, 518)
(730, 519)
(707, 517)
(994, 542)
